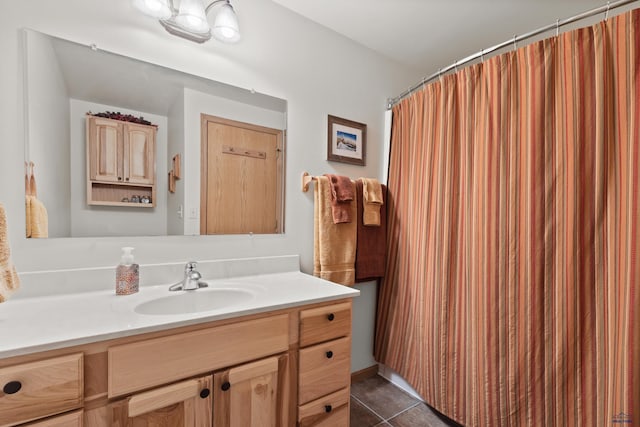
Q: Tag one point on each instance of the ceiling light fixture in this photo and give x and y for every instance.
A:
(189, 20)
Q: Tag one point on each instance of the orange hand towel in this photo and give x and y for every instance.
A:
(334, 244)
(342, 197)
(9, 281)
(372, 201)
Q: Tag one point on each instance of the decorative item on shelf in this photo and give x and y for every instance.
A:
(176, 166)
(125, 200)
(145, 199)
(123, 117)
(347, 141)
(135, 199)
(172, 182)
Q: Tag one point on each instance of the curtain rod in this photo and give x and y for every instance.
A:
(559, 23)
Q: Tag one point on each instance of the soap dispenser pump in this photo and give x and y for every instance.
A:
(127, 273)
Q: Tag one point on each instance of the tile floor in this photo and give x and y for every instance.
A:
(377, 402)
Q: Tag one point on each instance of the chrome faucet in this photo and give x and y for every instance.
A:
(191, 280)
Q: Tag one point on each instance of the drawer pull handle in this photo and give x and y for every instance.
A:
(205, 393)
(329, 354)
(12, 387)
(328, 408)
(225, 386)
(331, 317)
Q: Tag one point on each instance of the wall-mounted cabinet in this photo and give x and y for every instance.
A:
(121, 163)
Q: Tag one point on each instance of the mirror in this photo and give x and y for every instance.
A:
(66, 83)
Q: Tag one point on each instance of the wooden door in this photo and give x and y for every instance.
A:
(241, 182)
(139, 153)
(104, 137)
(184, 404)
(250, 395)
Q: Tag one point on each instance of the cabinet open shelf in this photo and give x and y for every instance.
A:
(103, 194)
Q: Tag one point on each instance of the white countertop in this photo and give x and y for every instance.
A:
(37, 324)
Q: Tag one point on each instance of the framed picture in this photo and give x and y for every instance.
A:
(347, 141)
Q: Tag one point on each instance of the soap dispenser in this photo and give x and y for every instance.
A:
(127, 273)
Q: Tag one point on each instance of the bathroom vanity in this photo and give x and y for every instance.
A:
(279, 357)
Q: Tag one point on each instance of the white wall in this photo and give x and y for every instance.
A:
(103, 221)
(175, 145)
(281, 54)
(48, 129)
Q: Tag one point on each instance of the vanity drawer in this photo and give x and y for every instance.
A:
(324, 368)
(73, 419)
(328, 411)
(39, 389)
(145, 364)
(325, 323)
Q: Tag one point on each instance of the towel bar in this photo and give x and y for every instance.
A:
(306, 179)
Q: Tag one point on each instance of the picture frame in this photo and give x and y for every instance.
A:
(347, 141)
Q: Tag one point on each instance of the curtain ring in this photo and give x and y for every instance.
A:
(482, 55)
(455, 66)
(606, 13)
(557, 27)
(515, 42)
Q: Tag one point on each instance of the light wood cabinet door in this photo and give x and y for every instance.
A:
(105, 150)
(328, 411)
(251, 395)
(184, 404)
(324, 368)
(139, 153)
(29, 391)
(73, 419)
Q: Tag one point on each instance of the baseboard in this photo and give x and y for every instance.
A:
(363, 374)
(395, 378)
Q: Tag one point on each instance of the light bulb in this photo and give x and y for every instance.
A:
(155, 8)
(225, 26)
(192, 17)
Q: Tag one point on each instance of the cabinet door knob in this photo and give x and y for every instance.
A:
(331, 316)
(119, 178)
(328, 408)
(205, 393)
(126, 179)
(12, 387)
(329, 354)
(225, 386)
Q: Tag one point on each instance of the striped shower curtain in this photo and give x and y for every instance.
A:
(512, 295)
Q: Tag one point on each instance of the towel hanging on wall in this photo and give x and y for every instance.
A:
(37, 219)
(9, 281)
(371, 252)
(334, 244)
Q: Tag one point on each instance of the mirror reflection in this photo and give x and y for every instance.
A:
(120, 147)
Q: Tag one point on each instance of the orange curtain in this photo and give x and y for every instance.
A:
(513, 274)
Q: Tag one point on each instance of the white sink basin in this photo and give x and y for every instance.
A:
(184, 302)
